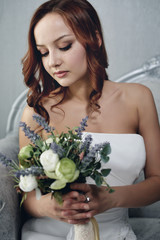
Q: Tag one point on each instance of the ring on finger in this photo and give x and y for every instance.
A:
(87, 199)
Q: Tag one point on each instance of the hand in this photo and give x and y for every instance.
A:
(67, 212)
(47, 206)
(100, 199)
(75, 208)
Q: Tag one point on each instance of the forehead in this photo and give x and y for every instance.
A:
(50, 28)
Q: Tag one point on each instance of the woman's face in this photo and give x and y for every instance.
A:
(63, 57)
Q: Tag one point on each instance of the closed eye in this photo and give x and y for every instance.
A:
(44, 54)
(66, 48)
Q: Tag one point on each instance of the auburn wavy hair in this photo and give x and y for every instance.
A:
(82, 18)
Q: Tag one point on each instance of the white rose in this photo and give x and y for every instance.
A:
(28, 183)
(49, 159)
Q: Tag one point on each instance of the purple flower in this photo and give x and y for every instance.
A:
(86, 144)
(29, 133)
(34, 170)
(42, 122)
(83, 124)
(5, 161)
(93, 153)
(57, 149)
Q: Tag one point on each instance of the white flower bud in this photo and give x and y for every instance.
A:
(28, 183)
(49, 141)
(49, 159)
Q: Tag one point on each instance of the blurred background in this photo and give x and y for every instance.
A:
(131, 31)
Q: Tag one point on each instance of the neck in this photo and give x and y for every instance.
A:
(80, 92)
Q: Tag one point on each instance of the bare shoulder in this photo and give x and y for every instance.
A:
(135, 91)
(27, 117)
(139, 93)
(127, 90)
(142, 98)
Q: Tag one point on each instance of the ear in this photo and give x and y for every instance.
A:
(99, 39)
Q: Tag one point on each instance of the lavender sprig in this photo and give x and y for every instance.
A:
(86, 144)
(29, 133)
(90, 156)
(5, 161)
(12, 165)
(83, 124)
(33, 170)
(42, 122)
(57, 149)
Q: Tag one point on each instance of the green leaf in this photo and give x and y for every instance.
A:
(97, 165)
(58, 197)
(98, 179)
(105, 172)
(105, 152)
(58, 184)
(105, 159)
(111, 190)
(86, 172)
(39, 143)
(23, 198)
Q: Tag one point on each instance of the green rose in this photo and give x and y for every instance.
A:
(65, 172)
(25, 154)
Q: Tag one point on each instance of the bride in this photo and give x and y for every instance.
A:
(65, 71)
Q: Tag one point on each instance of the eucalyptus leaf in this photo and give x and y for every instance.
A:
(86, 173)
(105, 152)
(98, 165)
(98, 179)
(105, 172)
(104, 158)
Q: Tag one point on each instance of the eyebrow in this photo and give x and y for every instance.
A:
(63, 36)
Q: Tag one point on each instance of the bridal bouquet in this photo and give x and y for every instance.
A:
(51, 165)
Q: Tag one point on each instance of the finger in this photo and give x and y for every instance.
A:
(75, 206)
(68, 201)
(69, 214)
(80, 215)
(72, 194)
(80, 187)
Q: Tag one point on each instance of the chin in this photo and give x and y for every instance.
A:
(65, 83)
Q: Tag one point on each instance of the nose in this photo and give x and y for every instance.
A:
(54, 59)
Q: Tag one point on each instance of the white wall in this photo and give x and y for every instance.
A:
(131, 30)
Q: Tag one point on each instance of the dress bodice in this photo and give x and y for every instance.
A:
(127, 158)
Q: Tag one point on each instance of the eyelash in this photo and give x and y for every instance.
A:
(67, 47)
(44, 54)
(62, 49)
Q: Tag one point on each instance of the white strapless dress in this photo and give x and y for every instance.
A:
(127, 160)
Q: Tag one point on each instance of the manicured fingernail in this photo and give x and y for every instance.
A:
(86, 207)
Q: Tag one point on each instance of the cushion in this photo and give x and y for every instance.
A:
(9, 199)
(146, 228)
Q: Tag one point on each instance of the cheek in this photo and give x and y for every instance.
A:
(79, 59)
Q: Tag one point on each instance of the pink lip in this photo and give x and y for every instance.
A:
(61, 74)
